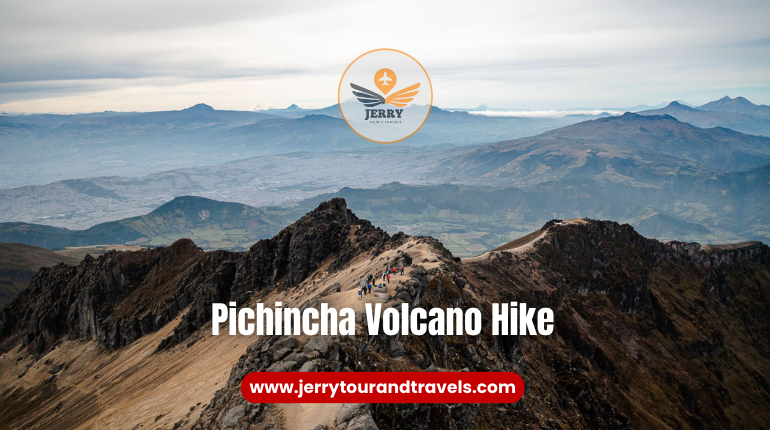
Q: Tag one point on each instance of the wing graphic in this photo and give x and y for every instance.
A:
(367, 97)
(401, 97)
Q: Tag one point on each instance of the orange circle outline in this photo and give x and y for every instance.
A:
(339, 89)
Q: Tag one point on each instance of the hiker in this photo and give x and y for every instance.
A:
(370, 288)
(402, 270)
(388, 279)
(359, 293)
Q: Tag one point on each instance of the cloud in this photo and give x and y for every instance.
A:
(541, 55)
(542, 113)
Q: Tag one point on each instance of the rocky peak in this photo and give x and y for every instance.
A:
(613, 259)
(587, 233)
(122, 296)
(676, 105)
(200, 107)
(738, 104)
(628, 307)
(301, 247)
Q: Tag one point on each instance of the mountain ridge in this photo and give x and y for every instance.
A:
(738, 105)
(158, 294)
(120, 143)
(651, 143)
(181, 216)
(737, 114)
(647, 334)
(470, 219)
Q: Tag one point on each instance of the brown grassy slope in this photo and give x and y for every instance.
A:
(20, 262)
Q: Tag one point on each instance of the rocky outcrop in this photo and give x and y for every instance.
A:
(269, 354)
(331, 234)
(120, 297)
(641, 328)
(355, 416)
(607, 257)
(113, 299)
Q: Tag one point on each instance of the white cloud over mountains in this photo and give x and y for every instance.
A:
(76, 55)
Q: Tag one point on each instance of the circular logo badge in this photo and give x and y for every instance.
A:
(385, 95)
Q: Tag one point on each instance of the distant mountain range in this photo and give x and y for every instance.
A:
(458, 126)
(704, 205)
(668, 178)
(40, 149)
(737, 105)
(632, 167)
(632, 148)
(737, 114)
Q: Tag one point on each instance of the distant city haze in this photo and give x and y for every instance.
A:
(88, 56)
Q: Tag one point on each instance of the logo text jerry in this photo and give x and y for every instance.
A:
(383, 113)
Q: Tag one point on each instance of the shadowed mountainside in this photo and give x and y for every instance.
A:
(138, 292)
(20, 262)
(636, 149)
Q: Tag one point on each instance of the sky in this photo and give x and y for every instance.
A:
(69, 56)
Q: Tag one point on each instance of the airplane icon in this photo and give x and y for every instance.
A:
(385, 78)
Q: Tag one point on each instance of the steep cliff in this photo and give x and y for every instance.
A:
(122, 296)
(648, 335)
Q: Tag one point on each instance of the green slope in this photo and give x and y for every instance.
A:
(210, 223)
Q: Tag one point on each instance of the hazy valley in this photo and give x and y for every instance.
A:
(38, 149)
(669, 179)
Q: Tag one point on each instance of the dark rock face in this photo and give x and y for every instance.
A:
(113, 299)
(265, 355)
(613, 259)
(648, 334)
(329, 232)
(122, 296)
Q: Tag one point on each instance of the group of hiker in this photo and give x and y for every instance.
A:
(365, 285)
